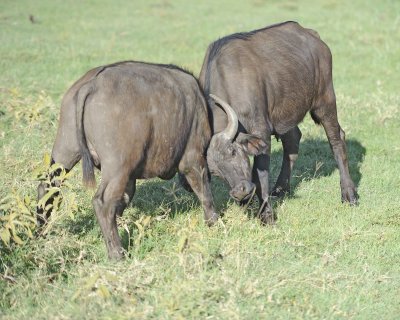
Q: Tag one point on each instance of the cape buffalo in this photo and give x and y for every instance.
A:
(272, 77)
(136, 120)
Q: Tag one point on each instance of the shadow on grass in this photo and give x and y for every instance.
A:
(316, 160)
(158, 197)
(155, 196)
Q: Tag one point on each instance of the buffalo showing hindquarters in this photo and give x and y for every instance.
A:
(136, 120)
(271, 78)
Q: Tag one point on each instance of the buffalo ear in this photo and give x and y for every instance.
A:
(252, 144)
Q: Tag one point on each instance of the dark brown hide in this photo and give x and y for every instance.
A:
(134, 121)
(272, 77)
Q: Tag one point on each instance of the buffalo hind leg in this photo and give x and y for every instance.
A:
(198, 179)
(327, 116)
(67, 160)
(290, 143)
(65, 151)
(109, 202)
(42, 214)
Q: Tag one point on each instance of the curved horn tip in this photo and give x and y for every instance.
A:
(213, 96)
(216, 98)
(232, 128)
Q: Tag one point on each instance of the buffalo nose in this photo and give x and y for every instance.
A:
(243, 190)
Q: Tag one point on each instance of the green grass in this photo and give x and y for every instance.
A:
(322, 260)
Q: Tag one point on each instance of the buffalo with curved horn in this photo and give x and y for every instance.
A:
(136, 120)
(272, 77)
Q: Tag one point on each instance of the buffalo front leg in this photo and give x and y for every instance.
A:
(109, 202)
(290, 143)
(261, 180)
(198, 179)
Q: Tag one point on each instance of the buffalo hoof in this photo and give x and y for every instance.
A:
(116, 254)
(116, 257)
(40, 220)
(210, 221)
(349, 195)
(267, 217)
(279, 192)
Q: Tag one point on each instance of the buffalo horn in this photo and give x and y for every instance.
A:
(233, 123)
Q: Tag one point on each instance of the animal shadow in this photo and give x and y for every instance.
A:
(156, 198)
(316, 160)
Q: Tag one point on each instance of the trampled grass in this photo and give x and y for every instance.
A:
(323, 259)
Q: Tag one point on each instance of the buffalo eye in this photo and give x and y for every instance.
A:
(233, 152)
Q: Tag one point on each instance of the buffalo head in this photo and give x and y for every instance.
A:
(228, 154)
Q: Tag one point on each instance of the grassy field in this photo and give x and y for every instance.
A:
(323, 259)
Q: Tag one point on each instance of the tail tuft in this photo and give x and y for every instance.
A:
(89, 180)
